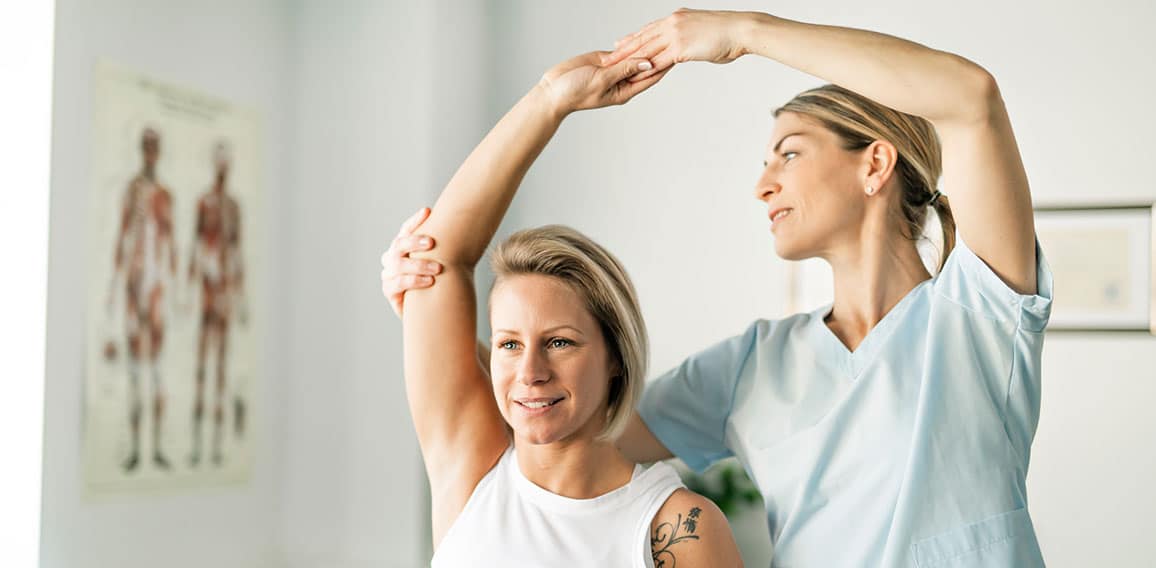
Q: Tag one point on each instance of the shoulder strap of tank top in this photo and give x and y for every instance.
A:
(661, 480)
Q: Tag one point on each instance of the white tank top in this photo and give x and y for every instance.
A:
(510, 522)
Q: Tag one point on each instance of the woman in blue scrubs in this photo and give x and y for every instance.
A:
(893, 427)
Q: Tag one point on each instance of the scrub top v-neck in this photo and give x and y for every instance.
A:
(911, 450)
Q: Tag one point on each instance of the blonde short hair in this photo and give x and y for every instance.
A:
(596, 275)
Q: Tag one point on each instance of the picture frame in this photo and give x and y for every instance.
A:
(1103, 262)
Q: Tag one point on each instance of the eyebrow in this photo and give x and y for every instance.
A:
(545, 331)
(784, 139)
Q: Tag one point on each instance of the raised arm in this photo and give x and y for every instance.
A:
(198, 229)
(122, 228)
(119, 244)
(982, 169)
(459, 428)
(234, 244)
(166, 229)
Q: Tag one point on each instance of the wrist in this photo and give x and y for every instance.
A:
(752, 31)
(542, 98)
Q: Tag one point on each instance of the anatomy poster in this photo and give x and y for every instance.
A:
(173, 322)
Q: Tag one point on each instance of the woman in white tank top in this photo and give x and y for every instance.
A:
(535, 479)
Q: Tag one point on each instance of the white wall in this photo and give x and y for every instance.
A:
(665, 182)
(361, 161)
(234, 49)
(26, 57)
(364, 107)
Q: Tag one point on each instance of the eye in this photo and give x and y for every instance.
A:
(508, 344)
(560, 343)
(788, 156)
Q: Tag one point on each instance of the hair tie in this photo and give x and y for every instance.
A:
(934, 198)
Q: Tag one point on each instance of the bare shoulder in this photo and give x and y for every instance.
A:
(689, 530)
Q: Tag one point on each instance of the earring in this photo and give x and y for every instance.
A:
(870, 190)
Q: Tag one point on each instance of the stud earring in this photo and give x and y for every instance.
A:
(870, 190)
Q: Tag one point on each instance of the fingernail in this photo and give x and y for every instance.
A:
(423, 242)
(432, 266)
(645, 66)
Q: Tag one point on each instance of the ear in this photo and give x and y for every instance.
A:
(879, 158)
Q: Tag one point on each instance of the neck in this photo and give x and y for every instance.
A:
(871, 276)
(578, 469)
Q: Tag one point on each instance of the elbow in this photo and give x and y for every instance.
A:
(980, 97)
(985, 93)
(454, 243)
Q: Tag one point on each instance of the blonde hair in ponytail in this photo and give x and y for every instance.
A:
(859, 121)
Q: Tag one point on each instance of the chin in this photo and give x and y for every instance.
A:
(795, 249)
(542, 434)
(788, 252)
(538, 434)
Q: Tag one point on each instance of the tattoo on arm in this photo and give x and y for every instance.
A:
(667, 535)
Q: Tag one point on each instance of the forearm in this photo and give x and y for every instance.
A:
(471, 207)
(901, 74)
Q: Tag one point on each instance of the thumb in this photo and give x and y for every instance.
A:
(630, 67)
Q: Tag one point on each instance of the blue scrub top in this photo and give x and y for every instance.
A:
(910, 451)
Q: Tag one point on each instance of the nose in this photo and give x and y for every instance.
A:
(768, 184)
(532, 369)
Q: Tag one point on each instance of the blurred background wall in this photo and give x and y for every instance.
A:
(239, 50)
(369, 106)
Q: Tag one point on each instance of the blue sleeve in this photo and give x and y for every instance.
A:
(687, 408)
(968, 281)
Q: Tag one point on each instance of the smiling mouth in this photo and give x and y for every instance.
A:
(780, 214)
(538, 404)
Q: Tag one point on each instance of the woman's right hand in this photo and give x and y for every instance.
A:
(686, 35)
(399, 273)
(582, 82)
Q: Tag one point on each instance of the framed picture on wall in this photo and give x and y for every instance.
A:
(1102, 261)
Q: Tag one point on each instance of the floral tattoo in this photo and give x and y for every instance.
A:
(667, 535)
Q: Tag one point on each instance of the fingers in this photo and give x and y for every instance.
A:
(622, 49)
(404, 245)
(662, 61)
(630, 45)
(628, 89)
(413, 243)
(399, 285)
(414, 221)
(400, 273)
(624, 70)
(412, 266)
(394, 288)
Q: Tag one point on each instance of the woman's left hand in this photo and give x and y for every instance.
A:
(686, 35)
(583, 82)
